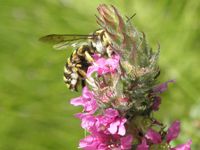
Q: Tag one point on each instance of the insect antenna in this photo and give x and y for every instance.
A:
(130, 18)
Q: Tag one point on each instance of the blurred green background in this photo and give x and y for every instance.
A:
(35, 113)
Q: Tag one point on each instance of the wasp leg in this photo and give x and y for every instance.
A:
(82, 73)
(83, 83)
(88, 57)
(76, 86)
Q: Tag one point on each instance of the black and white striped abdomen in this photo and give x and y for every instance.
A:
(76, 67)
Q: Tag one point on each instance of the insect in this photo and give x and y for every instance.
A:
(80, 59)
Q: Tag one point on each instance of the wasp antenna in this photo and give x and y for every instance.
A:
(130, 18)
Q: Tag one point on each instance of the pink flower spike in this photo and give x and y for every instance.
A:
(126, 142)
(173, 131)
(153, 136)
(143, 145)
(186, 146)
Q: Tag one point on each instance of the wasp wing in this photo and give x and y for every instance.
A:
(62, 41)
(59, 38)
(65, 45)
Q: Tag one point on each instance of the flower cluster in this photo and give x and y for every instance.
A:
(106, 126)
(122, 93)
(107, 131)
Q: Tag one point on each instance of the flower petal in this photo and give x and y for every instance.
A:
(143, 145)
(122, 129)
(162, 87)
(126, 142)
(186, 146)
(114, 127)
(153, 136)
(89, 143)
(111, 113)
(77, 101)
(156, 103)
(173, 131)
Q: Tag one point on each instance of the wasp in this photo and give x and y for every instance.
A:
(81, 58)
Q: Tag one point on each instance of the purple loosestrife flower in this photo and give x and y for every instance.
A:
(102, 65)
(88, 122)
(107, 131)
(109, 123)
(121, 90)
(106, 142)
(113, 122)
(86, 100)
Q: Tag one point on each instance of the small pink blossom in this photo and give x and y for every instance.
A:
(88, 122)
(114, 123)
(106, 142)
(103, 65)
(117, 127)
(86, 100)
(111, 123)
(153, 136)
(173, 131)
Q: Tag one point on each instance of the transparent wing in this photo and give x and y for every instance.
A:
(62, 41)
(65, 45)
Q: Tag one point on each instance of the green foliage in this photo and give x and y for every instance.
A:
(35, 113)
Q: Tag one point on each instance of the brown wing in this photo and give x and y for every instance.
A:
(59, 38)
